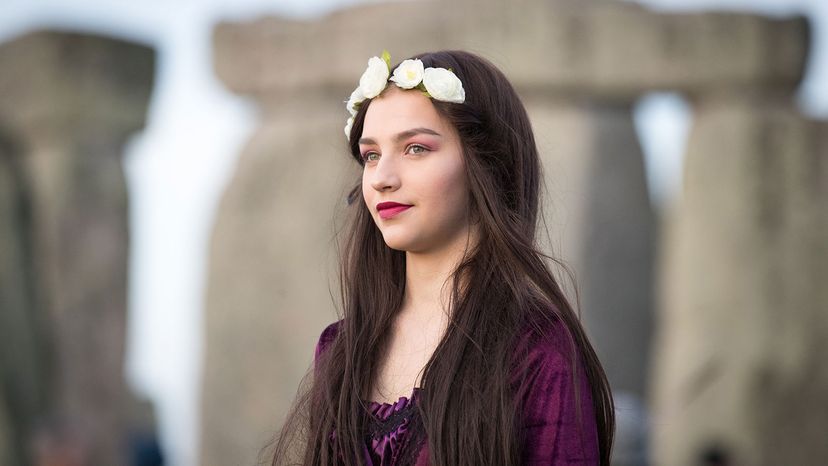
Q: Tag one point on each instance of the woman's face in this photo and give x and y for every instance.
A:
(413, 157)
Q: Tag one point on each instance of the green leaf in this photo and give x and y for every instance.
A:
(421, 87)
(387, 58)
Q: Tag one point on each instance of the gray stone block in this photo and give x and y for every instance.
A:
(600, 221)
(597, 48)
(70, 101)
(740, 373)
(271, 287)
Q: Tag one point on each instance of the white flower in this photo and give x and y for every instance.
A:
(439, 83)
(374, 78)
(348, 126)
(443, 85)
(408, 74)
(356, 98)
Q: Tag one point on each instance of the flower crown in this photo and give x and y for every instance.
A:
(438, 83)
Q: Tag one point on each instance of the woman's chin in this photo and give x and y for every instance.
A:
(399, 242)
(397, 245)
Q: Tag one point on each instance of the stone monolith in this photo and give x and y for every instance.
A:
(740, 368)
(70, 102)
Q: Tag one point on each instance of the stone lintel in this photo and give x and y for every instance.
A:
(605, 49)
(56, 80)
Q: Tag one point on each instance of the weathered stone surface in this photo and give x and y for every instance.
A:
(70, 102)
(8, 447)
(78, 79)
(24, 344)
(597, 48)
(599, 208)
(741, 372)
(271, 286)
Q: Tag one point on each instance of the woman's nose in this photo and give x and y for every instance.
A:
(385, 176)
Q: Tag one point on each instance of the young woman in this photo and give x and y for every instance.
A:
(456, 344)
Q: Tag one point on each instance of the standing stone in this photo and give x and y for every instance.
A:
(599, 210)
(8, 447)
(596, 48)
(595, 168)
(70, 102)
(740, 374)
(23, 346)
(271, 274)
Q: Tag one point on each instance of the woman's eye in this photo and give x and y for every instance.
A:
(368, 156)
(416, 149)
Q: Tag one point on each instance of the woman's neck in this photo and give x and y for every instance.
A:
(427, 289)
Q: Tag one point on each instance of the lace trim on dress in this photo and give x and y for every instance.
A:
(385, 418)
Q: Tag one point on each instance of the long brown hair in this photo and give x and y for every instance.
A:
(468, 406)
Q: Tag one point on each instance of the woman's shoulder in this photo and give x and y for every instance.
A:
(326, 337)
(546, 348)
(329, 332)
(549, 337)
(556, 397)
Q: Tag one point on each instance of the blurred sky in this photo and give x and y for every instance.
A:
(178, 167)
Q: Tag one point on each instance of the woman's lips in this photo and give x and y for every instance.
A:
(389, 209)
(392, 211)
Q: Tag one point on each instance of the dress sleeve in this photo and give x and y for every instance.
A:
(553, 434)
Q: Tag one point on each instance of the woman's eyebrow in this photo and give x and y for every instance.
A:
(404, 135)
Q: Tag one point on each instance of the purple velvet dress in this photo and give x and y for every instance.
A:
(553, 435)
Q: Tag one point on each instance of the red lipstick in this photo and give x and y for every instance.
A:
(390, 209)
